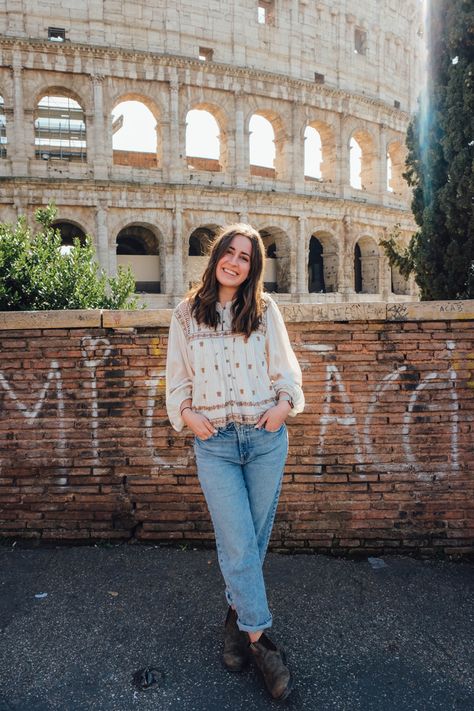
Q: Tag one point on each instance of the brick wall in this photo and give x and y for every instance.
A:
(380, 460)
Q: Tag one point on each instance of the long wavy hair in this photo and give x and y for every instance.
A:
(247, 306)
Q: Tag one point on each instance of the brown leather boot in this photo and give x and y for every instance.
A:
(236, 644)
(271, 662)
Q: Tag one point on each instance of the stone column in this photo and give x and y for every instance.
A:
(297, 167)
(342, 157)
(382, 160)
(346, 261)
(106, 255)
(241, 161)
(178, 280)
(302, 260)
(177, 147)
(100, 136)
(19, 146)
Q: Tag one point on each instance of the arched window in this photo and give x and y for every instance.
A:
(203, 148)
(389, 173)
(323, 260)
(138, 247)
(262, 147)
(69, 232)
(3, 134)
(355, 158)
(357, 270)
(277, 274)
(313, 156)
(362, 161)
(395, 166)
(199, 242)
(198, 251)
(134, 130)
(315, 267)
(60, 129)
(366, 266)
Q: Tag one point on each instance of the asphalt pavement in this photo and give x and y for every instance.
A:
(78, 623)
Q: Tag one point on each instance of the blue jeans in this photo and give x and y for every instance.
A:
(240, 470)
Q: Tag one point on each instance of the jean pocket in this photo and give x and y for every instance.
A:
(282, 427)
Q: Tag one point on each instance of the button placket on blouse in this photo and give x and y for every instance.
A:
(227, 360)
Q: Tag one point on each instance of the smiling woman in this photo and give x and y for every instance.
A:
(232, 378)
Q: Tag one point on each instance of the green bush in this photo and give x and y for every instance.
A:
(36, 275)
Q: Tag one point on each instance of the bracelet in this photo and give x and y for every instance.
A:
(185, 408)
(286, 398)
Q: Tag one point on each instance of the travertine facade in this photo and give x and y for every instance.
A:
(348, 69)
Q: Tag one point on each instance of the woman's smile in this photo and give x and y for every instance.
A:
(233, 267)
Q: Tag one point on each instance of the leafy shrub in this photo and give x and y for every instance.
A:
(36, 274)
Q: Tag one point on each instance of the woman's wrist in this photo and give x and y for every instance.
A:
(284, 402)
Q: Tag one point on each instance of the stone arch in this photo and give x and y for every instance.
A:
(221, 162)
(328, 149)
(277, 277)
(69, 230)
(3, 130)
(138, 246)
(279, 138)
(60, 126)
(366, 180)
(323, 262)
(199, 242)
(395, 166)
(366, 266)
(128, 155)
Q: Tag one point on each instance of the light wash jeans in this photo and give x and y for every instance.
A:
(240, 470)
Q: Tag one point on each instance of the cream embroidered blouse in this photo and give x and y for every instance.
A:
(227, 378)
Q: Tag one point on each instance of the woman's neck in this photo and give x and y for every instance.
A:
(226, 295)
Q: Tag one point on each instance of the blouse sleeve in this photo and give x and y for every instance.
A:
(179, 374)
(283, 367)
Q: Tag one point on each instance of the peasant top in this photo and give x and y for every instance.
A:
(227, 377)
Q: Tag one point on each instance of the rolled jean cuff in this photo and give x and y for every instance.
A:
(253, 628)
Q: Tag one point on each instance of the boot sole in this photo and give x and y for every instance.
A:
(286, 693)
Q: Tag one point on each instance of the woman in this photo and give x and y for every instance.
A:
(232, 378)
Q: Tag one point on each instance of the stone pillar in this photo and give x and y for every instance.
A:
(302, 258)
(100, 136)
(18, 147)
(297, 166)
(242, 158)
(106, 255)
(342, 157)
(179, 271)
(346, 261)
(176, 143)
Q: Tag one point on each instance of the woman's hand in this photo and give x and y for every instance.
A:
(272, 419)
(199, 424)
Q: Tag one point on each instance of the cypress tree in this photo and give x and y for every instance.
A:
(440, 161)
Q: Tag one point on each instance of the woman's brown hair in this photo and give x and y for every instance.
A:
(247, 306)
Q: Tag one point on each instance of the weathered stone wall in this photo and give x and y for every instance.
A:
(117, 51)
(380, 460)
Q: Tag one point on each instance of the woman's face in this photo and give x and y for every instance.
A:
(233, 267)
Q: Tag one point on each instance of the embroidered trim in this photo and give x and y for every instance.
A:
(234, 403)
(183, 314)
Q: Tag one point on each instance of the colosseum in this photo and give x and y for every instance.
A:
(288, 114)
